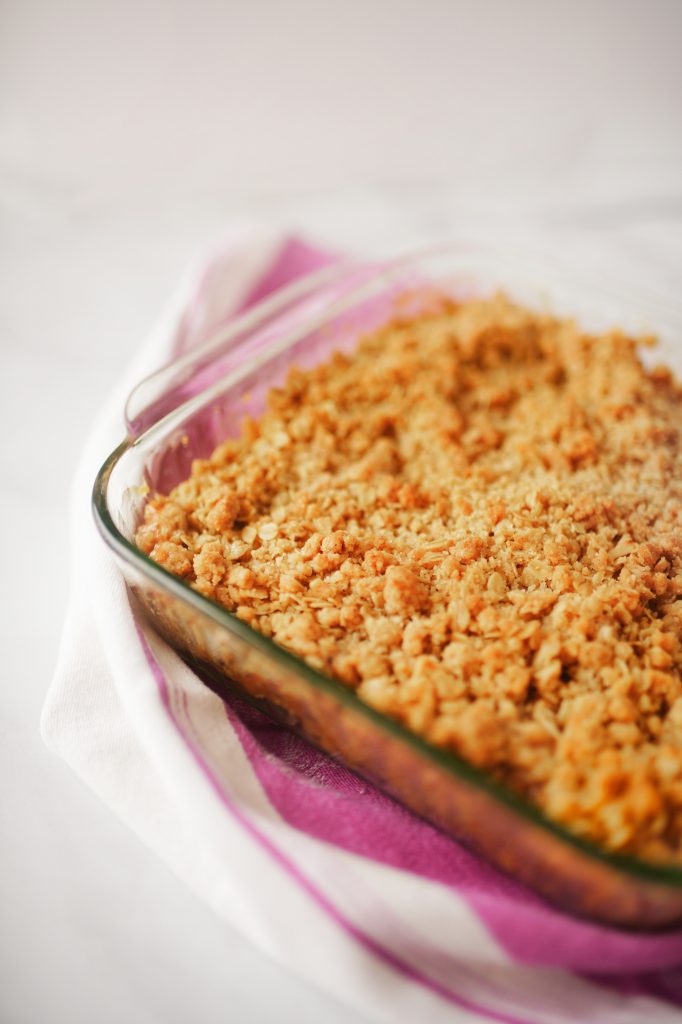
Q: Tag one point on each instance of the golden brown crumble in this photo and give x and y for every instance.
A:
(475, 522)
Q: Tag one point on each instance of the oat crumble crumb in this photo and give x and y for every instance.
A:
(476, 522)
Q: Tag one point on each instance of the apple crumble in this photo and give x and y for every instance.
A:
(475, 522)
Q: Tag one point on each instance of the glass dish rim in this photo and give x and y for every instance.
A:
(445, 760)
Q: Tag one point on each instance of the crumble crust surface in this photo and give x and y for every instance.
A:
(475, 521)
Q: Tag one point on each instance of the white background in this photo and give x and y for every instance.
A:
(131, 134)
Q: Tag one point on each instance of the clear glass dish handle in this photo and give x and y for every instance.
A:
(317, 293)
(167, 388)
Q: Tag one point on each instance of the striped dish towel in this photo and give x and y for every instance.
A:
(314, 866)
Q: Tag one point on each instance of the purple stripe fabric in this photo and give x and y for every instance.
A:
(366, 941)
(295, 259)
(325, 800)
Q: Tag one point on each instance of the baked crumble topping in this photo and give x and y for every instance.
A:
(474, 521)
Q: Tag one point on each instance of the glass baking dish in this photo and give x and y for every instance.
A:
(188, 407)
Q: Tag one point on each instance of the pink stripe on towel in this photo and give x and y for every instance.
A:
(365, 940)
(324, 799)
